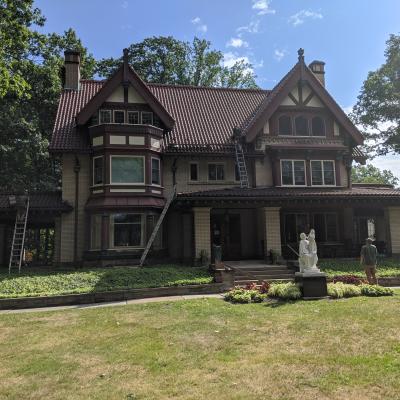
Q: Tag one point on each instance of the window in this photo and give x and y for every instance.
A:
(127, 169)
(119, 116)
(127, 230)
(155, 171)
(318, 126)
(301, 124)
(294, 225)
(285, 125)
(323, 173)
(98, 170)
(147, 118)
(133, 117)
(105, 116)
(194, 172)
(326, 227)
(216, 172)
(95, 232)
(293, 172)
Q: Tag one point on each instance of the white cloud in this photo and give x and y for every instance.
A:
(262, 7)
(301, 16)
(200, 27)
(230, 59)
(252, 27)
(392, 163)
(237, 42)
(125, 4)
(279, 54)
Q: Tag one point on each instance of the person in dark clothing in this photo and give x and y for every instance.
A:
(368, 261)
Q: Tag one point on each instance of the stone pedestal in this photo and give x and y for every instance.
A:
(313, 285)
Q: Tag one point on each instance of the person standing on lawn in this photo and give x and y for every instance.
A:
(368, 260)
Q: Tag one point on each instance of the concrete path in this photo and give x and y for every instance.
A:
(114, 303)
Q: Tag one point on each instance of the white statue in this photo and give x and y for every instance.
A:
(308, 257)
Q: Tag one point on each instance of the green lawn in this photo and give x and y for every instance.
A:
(386, 267)
(53, 282)
(205, 349)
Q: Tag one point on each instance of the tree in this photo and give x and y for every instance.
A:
(377, 109)
(27, 117)
(370, 174)
(171, 61)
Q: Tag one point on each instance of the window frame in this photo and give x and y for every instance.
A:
(216, 164)
(159, 171)
(309, 116)
(119, 123)
(93, 174)
(323, 124)
(128, 183)
(291, 125)
(111, 116)
(197, 170)
(293, 177)
(307, 119)
(323, 173)
(133, 112)
(146, 112)
(112, 227)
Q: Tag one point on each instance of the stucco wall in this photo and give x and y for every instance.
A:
(263, 172)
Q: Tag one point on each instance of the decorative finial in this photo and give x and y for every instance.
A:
(300, 52)
(125, 57)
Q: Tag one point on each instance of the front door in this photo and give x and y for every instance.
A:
(226, 232)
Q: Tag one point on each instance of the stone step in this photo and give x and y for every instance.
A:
(276, 276)
(268, 271)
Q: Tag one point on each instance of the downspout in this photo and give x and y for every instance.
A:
(77, 168)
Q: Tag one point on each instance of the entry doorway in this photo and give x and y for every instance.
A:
(226, 232)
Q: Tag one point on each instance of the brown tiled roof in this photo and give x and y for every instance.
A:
(282, 192)
(204, 116)
(49, 201)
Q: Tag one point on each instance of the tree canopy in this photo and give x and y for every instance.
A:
(170, 61)
(377, 109)
(370, 174)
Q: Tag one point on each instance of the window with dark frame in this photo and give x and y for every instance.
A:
(285, 125)
(318, 126)
(301, 126)
(194, 172)
(155, 171)
(98, 170)
(323, 173)
(105, 116)
(127, 230)
(216, 172)
(147, 118)
(293, 173)
(119, 117)
(133, 117)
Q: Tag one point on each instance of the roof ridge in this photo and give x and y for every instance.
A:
(208, 87)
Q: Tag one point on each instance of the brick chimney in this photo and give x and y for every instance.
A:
(72, 69)
(318, 69)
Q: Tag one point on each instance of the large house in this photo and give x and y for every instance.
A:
(246, 169)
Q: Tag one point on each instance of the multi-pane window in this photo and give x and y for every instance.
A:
(194, 172)
(98, 170)
(119, 116)
(301, 125)
(285, 125)
(127, 169)
(216, 172)
(133, 117)
(155, 171)
(318, 126)
(326, 226)
(293, 172)
(322, 173)
(147, 118)
(127, 230)
(294, 224)
(105, 116)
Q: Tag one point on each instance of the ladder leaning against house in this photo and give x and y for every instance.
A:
(17, 248)
(240, 160)
(157, 227)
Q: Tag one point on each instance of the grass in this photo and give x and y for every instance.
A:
(386, 267)
(205, 349)
(51, 282)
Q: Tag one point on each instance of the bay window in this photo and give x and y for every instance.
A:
(105, 116)
(98, 171)
(322, 173)
(133, 117)
(127, 169)
(126, 230)
(119, 116)
(147, 118)
(155, 171)
(293, 173)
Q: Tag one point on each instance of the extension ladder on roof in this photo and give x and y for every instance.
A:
(157, 227)
(17, 248)
(241, 165)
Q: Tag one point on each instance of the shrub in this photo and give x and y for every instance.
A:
(340, 289)
(264, 288)
(241, 295)
(349, 279)
(286, 291)
(376, 290)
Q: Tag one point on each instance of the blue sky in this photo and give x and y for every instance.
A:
(349, 35)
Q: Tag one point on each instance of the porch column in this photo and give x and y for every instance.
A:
(202, 235)
(394, 224)
(272, 234)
